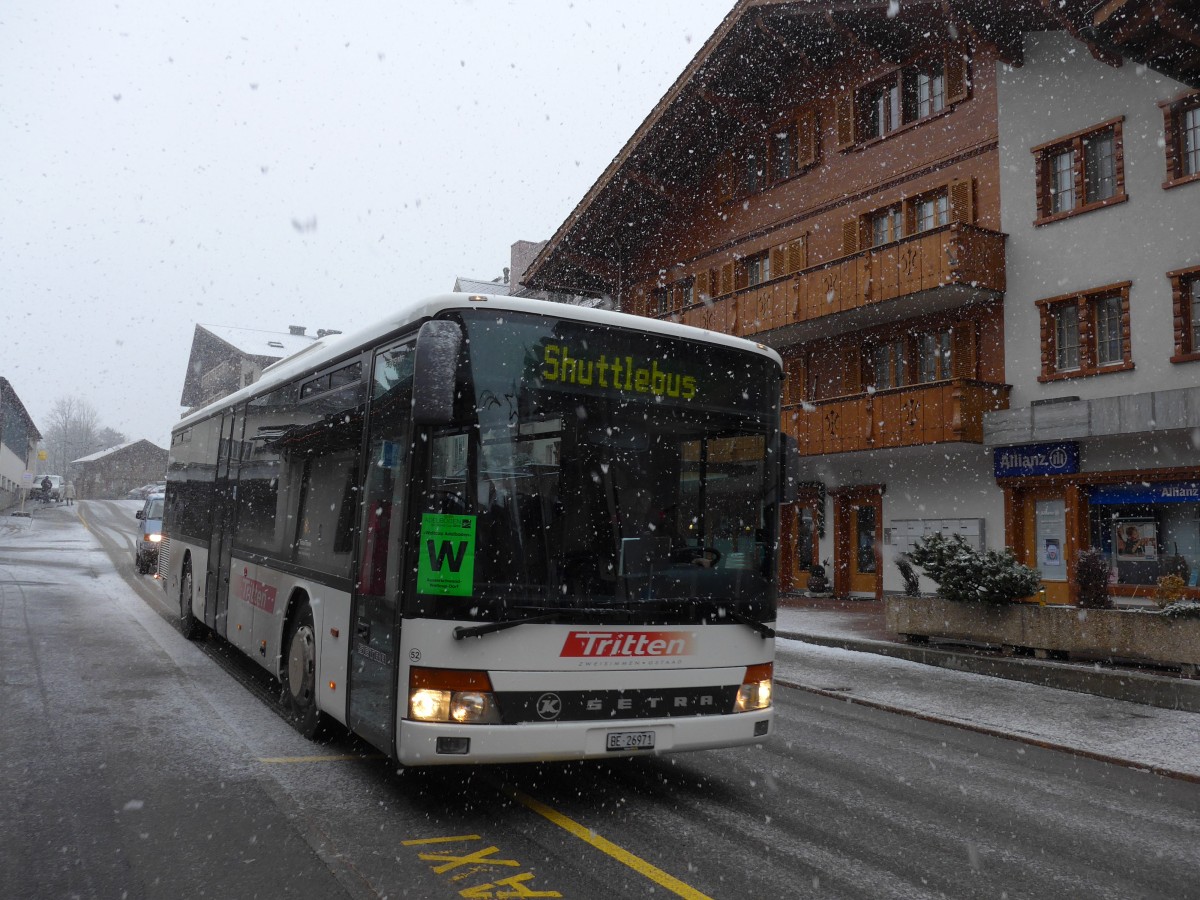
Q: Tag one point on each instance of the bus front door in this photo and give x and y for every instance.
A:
(375, 618)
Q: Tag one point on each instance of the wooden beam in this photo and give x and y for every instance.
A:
(1101, 54)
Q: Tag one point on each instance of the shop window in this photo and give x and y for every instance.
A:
(1080, 172)
(1181, 130)
(1085, 334)
(1185, 294)
(1147, 530)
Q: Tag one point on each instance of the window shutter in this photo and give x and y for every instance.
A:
(962, 201)
(701, 290)
(779, 261)
(958, 83)
(727, 278)
(797, 257)
(808, 139)
(845, 119)
(853, 380)
(1171, 133)
(741, 278)
(1042, 184)
(726, 178)
(850, 237)
(963, 354)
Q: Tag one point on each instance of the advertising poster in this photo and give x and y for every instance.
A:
(1135, 539)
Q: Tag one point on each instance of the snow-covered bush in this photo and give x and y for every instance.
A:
(912, 581)
(1182, 609)
(1091, 574)
(963, 573)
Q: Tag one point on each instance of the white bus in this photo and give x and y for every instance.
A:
(495, 530)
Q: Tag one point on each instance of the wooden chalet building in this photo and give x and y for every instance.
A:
(825, 177)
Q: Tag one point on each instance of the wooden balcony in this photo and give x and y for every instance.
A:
(936, 413)
(943, 268)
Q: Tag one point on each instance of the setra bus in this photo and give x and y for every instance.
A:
(492, 529)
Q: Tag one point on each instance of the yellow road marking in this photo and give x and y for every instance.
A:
(312, 759)
(442, 840)
(639, 865)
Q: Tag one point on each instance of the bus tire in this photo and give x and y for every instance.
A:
(189, 625)
(298, 673)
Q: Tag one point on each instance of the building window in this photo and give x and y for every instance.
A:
(782, 153)
(934, 361)
(882, 108)
(1185, 293)
(1080, 172)
(1181, 130)
(906, 95)
(752, 172)
(927, 88)
(1086, 334)
(889, 364)
(887, 225)
(1066, 337)
(931, 212)
(757, 268)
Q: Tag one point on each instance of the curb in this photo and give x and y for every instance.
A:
(1134, 687)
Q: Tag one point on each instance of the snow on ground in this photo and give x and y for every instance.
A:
(1142, 735)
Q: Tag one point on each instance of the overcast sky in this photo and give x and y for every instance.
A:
(288, 162)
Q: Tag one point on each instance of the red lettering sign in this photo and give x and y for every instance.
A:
(626, 644)
(258, 594)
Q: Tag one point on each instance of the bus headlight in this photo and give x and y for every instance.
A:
(154, 538)
(755, 692)
(451, 695)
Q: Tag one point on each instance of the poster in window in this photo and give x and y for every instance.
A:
(1135, 539)
(1052, 553)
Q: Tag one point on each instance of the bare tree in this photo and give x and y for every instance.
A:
(74, 431)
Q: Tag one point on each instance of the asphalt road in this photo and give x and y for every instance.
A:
(135, 764)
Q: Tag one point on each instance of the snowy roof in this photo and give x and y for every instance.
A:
(95, 456)
(479, 286)
(257, 342)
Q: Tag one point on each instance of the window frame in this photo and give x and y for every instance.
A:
(1086, 306)
(859, 124)
(1174, 126)
(1047, 155)
(1185, 303)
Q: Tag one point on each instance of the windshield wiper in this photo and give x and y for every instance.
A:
(466, 631)
(765, 631)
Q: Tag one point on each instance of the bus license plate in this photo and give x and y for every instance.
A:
(630, 740)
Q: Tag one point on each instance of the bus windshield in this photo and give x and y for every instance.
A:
(600, 467)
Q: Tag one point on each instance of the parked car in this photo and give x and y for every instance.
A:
(150, 534)
(141, 493)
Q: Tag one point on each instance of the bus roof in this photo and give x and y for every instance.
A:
(332, 347)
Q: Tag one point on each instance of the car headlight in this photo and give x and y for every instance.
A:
(154, 538)
(451, 695)
(755, 692)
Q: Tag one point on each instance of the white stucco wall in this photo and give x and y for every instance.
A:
(1061, 89)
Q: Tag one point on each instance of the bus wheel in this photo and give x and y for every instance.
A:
(298, 674)
(189, 625)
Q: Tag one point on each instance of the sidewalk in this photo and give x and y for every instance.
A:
(859, 625)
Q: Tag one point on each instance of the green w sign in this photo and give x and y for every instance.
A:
(447, 559)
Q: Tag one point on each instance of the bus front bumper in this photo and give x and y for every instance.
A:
(426, 744)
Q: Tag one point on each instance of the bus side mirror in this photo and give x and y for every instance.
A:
(789, 452)
(435, 367)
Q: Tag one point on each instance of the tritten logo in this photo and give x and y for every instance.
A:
(258, 594)
(625, 644)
